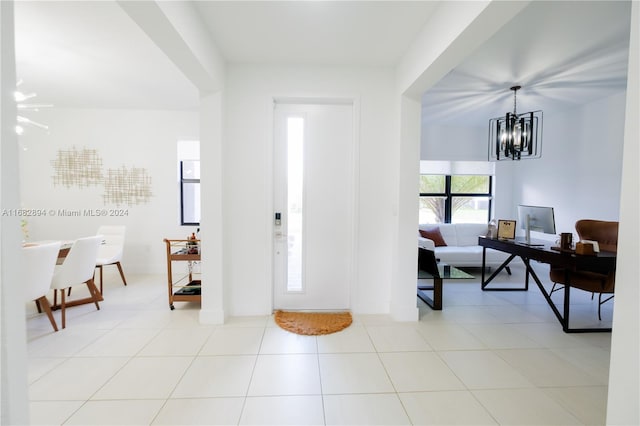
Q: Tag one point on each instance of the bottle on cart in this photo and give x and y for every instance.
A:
(192, 244)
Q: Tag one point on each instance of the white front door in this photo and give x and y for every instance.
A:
(314, 201)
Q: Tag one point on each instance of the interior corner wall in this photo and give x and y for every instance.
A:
(579, 173)
(122, 138)
(248, 176)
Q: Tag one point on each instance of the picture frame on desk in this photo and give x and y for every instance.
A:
(506, 229)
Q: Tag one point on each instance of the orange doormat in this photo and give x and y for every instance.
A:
(313, 323)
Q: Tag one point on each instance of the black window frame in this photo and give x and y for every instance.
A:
(183, 181)
(448, 195)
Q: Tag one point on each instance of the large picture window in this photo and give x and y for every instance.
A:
(455, 198)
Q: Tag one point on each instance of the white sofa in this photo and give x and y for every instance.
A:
(462, 247)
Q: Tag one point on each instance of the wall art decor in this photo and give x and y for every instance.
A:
(125, 186)
(74, 167)
(83, 168)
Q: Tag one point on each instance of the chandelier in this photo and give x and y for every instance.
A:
(21, 120)
(515, 136)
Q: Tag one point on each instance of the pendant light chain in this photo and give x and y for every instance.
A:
(515, 91)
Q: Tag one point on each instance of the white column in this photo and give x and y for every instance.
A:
(214, 296)
(624, 371)
(14, 408)
(404, 278)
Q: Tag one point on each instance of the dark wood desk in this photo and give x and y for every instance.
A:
(541, 251)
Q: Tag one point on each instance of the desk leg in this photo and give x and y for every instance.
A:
(484, 266)
(567, 287)
(546, 295)
(496, 272)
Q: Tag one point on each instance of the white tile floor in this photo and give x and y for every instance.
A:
(486, 358)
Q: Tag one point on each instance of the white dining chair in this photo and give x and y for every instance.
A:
(39, 261)
(111, 249)
(78, 268)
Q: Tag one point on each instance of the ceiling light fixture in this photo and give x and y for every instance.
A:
(515, 136)
(21, 106)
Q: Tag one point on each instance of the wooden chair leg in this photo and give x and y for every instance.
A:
(100, 269)
(38, 305)
(47, 309)
(94, 292)
(63, 309)
(121, 273)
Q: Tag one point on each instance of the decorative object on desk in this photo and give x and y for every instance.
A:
(594, 244)
(492, 229)
(585, 249)
(313, 323)
(566, 240)
(515, 136)
(434, 235)
(506, 229)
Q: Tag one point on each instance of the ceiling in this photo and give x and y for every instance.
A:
(365, 33)
(563, 54)
(91, 54)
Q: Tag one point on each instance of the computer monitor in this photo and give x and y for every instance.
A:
(536, 218)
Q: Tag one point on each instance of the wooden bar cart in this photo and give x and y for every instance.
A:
(185, 288)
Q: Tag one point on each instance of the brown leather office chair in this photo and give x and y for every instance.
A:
(606, 234)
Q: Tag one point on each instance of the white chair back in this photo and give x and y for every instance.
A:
(110, 251)
(79, 265)
(39, 262)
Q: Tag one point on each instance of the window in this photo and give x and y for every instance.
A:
(455, 198)
(190, 192)
(188, 178)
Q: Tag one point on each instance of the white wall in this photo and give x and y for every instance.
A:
(454, 143)
(130, 138)
(579, 173)
(247, 178)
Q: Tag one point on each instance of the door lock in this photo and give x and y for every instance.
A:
(278, 220)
